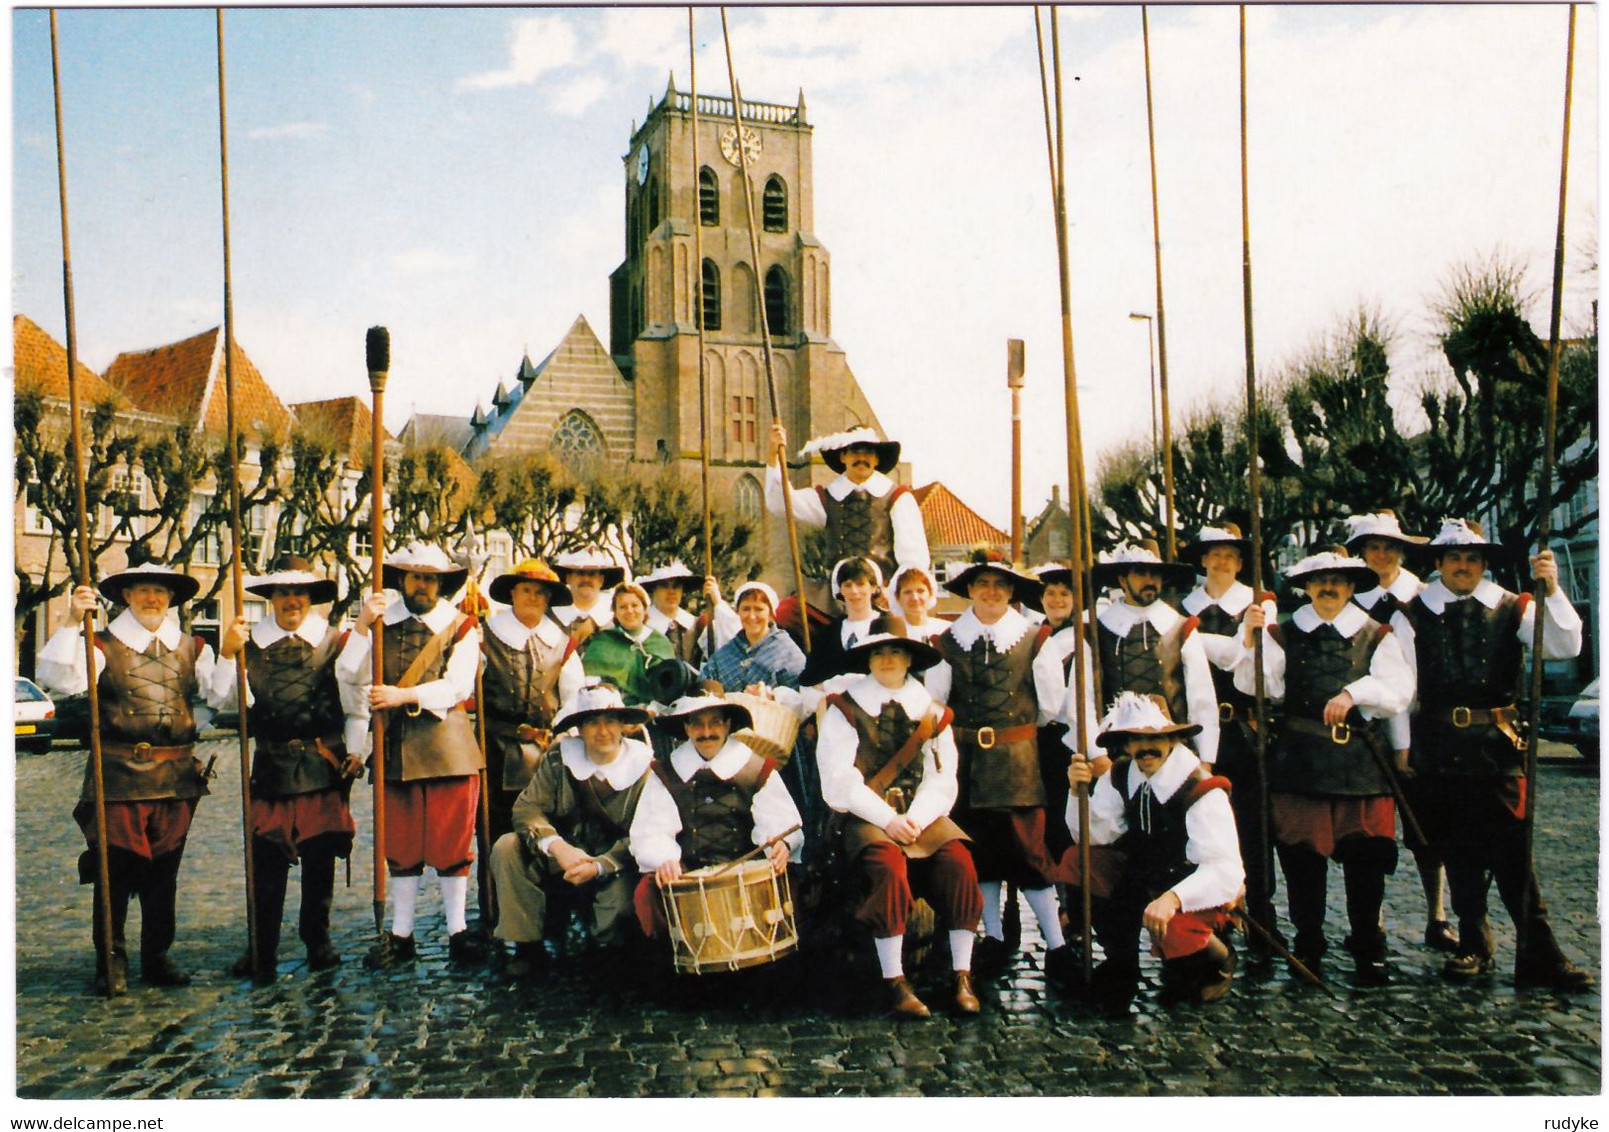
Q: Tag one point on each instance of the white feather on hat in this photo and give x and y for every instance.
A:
(1328, 561)
(596, 697)
(674, 570)
(1458, 532)
(423, 556)
(1135, 714)
(1377, 524)
(834, 441)
(1128, 552)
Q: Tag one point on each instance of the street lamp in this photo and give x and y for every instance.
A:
(1150, 346)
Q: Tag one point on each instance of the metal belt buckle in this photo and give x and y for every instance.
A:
(1226, 713)
(142, 750)
(296, 746)
(985, 738)
(1341, 733)
(1463, 720)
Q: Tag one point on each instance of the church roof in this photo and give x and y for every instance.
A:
(432, 428)
(951, 523)
(41, 363)
(186, 380)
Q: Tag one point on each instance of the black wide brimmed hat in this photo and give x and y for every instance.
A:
(890, 630)
(1461, 534)
(293, 570)
(1141, 555)
(424, 558)
(832, 447)
(181, 586)
(1025, 588)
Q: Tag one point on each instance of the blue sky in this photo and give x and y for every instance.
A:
(456, 175)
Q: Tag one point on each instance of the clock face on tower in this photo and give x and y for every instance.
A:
(642, 165)
(751, 146)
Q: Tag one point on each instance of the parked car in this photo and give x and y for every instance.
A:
(34, 717)
(1584, 715)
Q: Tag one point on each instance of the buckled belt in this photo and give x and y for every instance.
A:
(986, 738)
(145, 751)
(1338, 733)
(525, 733)
(316, 746)
(1503, 718)
(1228, 713)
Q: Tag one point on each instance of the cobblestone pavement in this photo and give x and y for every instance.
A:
(431, 1030)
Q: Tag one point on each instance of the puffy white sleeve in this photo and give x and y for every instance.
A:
(1273, 668)
(654, 827)
(1389, 687)
(807, 508)
(937, 680)
(774, 812)
(1106, 821)
(1213, 846)
(1201, 696)
(842, 786)
(60, 664)
(1561, 638)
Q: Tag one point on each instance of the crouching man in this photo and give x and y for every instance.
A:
(570, 823)
(1175, 864)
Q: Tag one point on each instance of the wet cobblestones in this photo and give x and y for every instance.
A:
(434, 1030)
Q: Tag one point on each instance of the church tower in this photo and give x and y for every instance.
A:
(661, 289)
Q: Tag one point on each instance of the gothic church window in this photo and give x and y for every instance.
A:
(577, 439)
(775, 205)
(709, 198)
(777, 302)
(653, 203)
(710, 298)
(746, 498)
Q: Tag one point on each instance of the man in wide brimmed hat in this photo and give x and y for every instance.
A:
(1220, 554)
(1341, 676)
(309, 741)
(1145, 644)
(1466, 636)
(1179, 871)
(1377, 537)
(432, 757)
(531, 667)
(148, 671)
(864, 512)
(695, 639)
(570, 824)
(589, 574)
(888, 762)
(711, 801)
(987, 679)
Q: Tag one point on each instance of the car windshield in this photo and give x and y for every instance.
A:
(1590, 692)
(28, 692)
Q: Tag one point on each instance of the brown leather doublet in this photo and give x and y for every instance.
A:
(422, 746)
(145, 699)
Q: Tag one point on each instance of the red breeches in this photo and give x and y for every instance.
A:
(147, 829)
(947, 880)
(1319, 823)
(431, 822)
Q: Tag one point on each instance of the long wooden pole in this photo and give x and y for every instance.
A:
(485, 891)
(1544, 529)
(103, 888)
(1077, 511)
(1253, 432)
(1161, 313)
(377, 351)
(698, 308)
(765, 334)
(237, 559)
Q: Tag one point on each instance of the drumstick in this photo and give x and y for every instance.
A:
(756, 851)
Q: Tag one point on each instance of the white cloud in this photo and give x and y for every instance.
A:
(537, 45)
(289, 130)
(428, 261)
(580, 94)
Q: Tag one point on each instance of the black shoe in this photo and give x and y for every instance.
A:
(1440, 936)
(466, 947)
(991, 956)
(1112, 988)
(1551, 972)
(391, 951)
(1369, 961)
(1310, 953)
(322, 956)
(529, 958)
(242, 968)
(114, 984)
(1467, 968)
(160, 971)
(1064, 967)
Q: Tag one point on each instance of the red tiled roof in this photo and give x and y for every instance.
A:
(949, 522)
(186, 380)
(347, 420)
(41, 363)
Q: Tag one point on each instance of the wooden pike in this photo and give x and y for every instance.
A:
(377, 351)
(1545, 494)
(103, 886)
(1161, 314)
(765, 335)
(237, 558)
(698, 301)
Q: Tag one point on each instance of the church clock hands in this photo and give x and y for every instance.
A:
(751, 146)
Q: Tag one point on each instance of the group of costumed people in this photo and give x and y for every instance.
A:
(939, 761)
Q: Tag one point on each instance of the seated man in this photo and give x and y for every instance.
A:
(889, 762)
(570, 826)
(1178, 872)
(712, 801)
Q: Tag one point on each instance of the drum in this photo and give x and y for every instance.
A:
(742, 918)
(775, 727)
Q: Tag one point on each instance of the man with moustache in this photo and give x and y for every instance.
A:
(1341, 675)
(1466, 636)
(588, 574)
(432, 756)
(305, 759)
(865, 513)
(531, 667)
(694, 639)
(147, 672)
(1378, 539)
(570, 824)
(712, 801)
